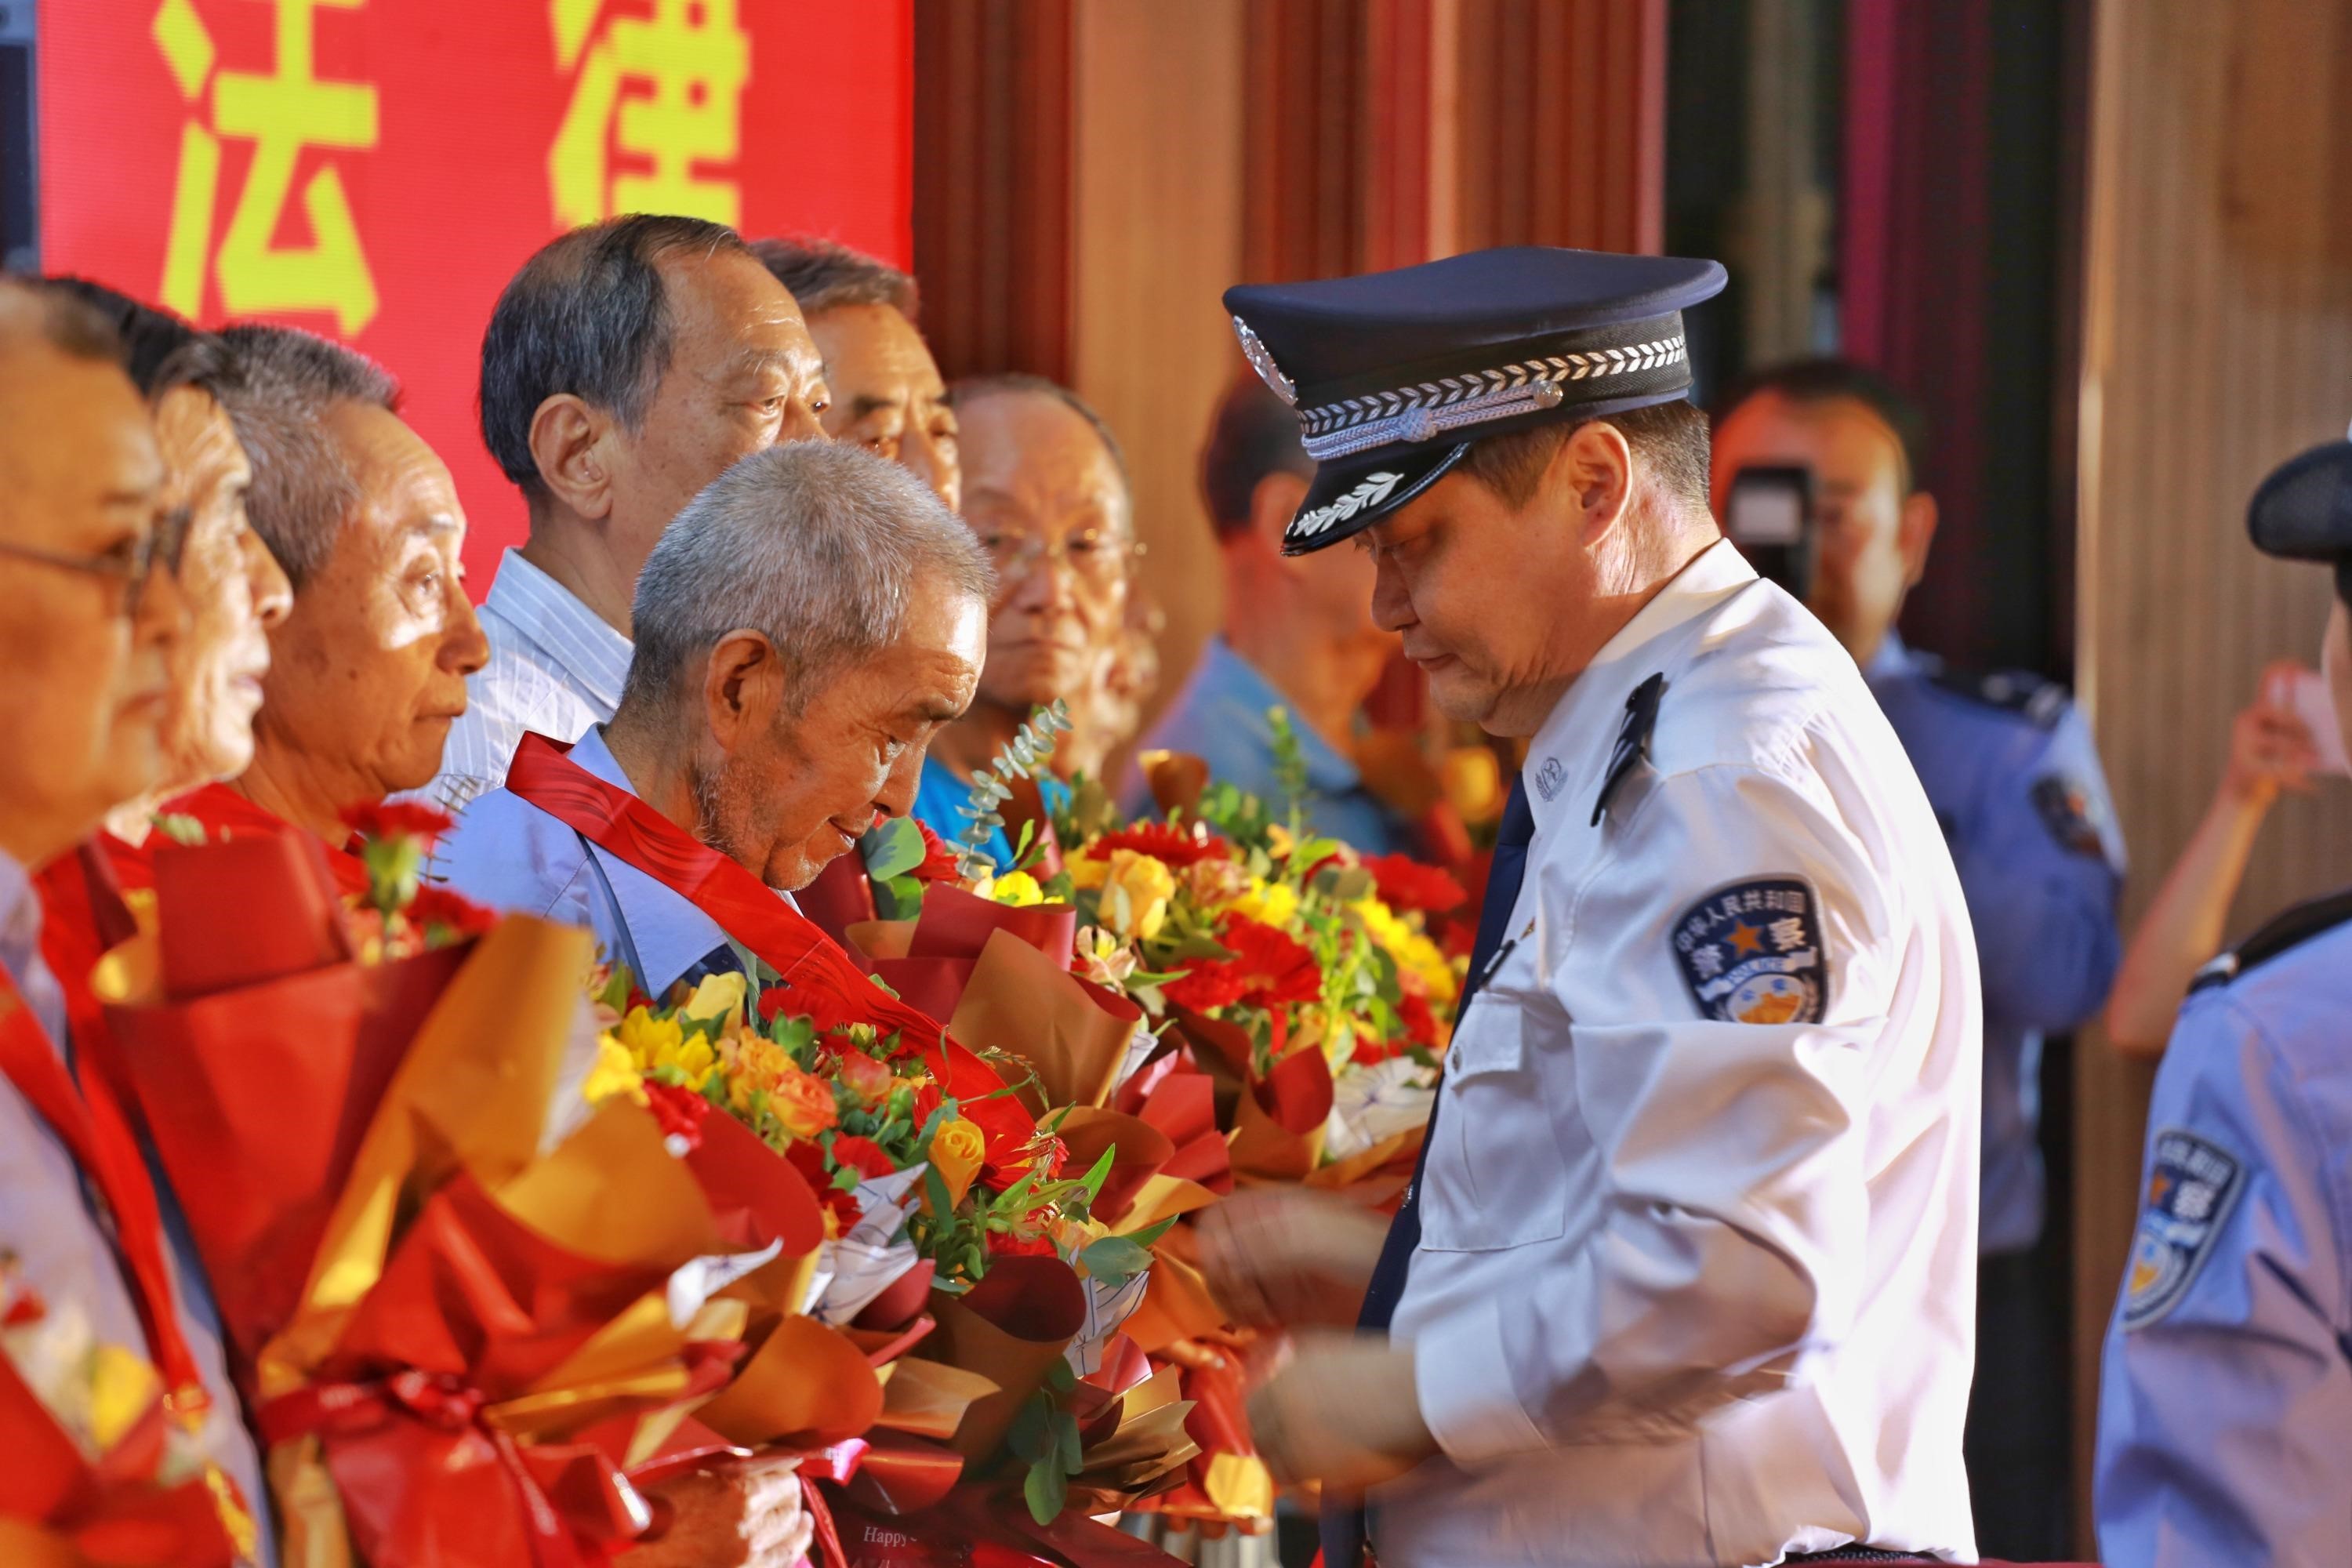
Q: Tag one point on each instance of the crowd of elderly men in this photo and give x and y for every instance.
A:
(233, 590)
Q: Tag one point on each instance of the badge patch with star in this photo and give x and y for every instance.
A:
(1751, 952)
(2192, 1186)
(2071, 813)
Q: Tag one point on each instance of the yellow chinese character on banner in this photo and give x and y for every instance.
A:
(281, 113)
(662, 87)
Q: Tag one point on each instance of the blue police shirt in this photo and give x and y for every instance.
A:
(1220, 718)
(2009, 766)
(2225, 1400)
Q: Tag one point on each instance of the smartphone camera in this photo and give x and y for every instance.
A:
(1769, 518)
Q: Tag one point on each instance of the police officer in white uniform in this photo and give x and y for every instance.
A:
(1687, 1277)
(2225, 1402)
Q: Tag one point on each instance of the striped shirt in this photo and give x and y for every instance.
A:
(555, 668)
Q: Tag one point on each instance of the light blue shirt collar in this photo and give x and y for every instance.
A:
(670, 934)
(572, 634)
(1893, 661)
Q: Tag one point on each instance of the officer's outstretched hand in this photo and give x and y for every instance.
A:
(1290, 1258)
(1341, 1409)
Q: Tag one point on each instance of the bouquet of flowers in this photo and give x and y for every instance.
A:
(471, 1313)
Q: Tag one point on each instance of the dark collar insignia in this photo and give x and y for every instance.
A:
(1633, 738)
(2283, 934)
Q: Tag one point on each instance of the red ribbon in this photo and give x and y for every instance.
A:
(444, 1404)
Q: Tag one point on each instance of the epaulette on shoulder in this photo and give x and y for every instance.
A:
(2040, 702)
(2288, 932)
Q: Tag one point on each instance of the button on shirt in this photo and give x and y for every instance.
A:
(555, 669)
(47, 1219)
(1220, 718)
(2225, 1397)
(1694, 1289)
(513, 857)
(2009, 765)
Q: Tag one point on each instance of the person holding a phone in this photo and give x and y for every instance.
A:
(2225, 1401)
(1816, 470)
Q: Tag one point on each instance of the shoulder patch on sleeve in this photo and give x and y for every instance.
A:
(2042, 702)
(2192, 1186)
(2070, 810)
(1751, 952)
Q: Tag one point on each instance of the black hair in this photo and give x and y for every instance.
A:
(1254, 434)
(157, 349)
(587, 315)
(824, 274)
(1816, 381)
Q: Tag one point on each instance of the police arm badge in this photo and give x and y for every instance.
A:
(2071, 813)
(2192, 1186)
(1751, 952)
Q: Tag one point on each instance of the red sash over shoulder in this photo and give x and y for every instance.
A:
(745, 908)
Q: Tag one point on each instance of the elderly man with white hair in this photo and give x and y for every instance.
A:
(802, 629)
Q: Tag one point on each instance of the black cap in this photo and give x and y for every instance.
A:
(1395, 374)
(2303, 510)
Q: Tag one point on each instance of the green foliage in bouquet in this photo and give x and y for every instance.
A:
(1025, 756)
(892, 852)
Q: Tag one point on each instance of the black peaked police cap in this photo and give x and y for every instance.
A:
(1394, 374)
(2303, 510)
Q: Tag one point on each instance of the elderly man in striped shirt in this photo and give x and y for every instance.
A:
(626, 366)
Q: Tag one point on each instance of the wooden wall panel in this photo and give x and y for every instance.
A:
(1157, 238)
(994, 161)
(2216, 342)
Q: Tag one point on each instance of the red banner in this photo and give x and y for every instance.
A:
(377, 169)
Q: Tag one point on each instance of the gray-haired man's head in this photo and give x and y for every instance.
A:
(887, 394)
(802, 629)
(627, 364)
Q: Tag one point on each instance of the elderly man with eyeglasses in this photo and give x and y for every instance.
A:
(1046, 490)
(91, 616)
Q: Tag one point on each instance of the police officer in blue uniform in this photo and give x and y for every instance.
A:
(2225, 1405)
(2009, 767)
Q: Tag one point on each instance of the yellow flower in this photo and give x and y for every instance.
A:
(1087, 872)
(1136, 894)
(123, 1388)
(718, 995)
(1103, 958)
(1272, 902)
(1411, 948)
(657, 1043)
(1278, 841)
(1017, 889)
(958, 1150)
(616, 1072)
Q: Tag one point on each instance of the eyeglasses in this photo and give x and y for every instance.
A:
(1095, 555)
(132, 562)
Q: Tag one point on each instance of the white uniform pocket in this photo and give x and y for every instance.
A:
(1495, 1176)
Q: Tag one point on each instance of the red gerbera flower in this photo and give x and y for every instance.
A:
(808, 1161)
(679, 1111)
(1004, 1243)
(396, 819)
(861, 1155)
(1267, 970)
(826, 1008)
(438, 906)
(1406, 884)
(938, 859)
(1419, 1023)
(1169, 845)
(1369, 1052)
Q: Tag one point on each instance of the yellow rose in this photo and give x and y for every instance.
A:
(1016, 890)
(719, 996)
(1275, 904)
(1136, 894)
(616, 1072)
(958, 1150)
(1087, 872)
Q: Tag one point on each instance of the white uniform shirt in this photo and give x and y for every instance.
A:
(555, 668)
(1693, 1290)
